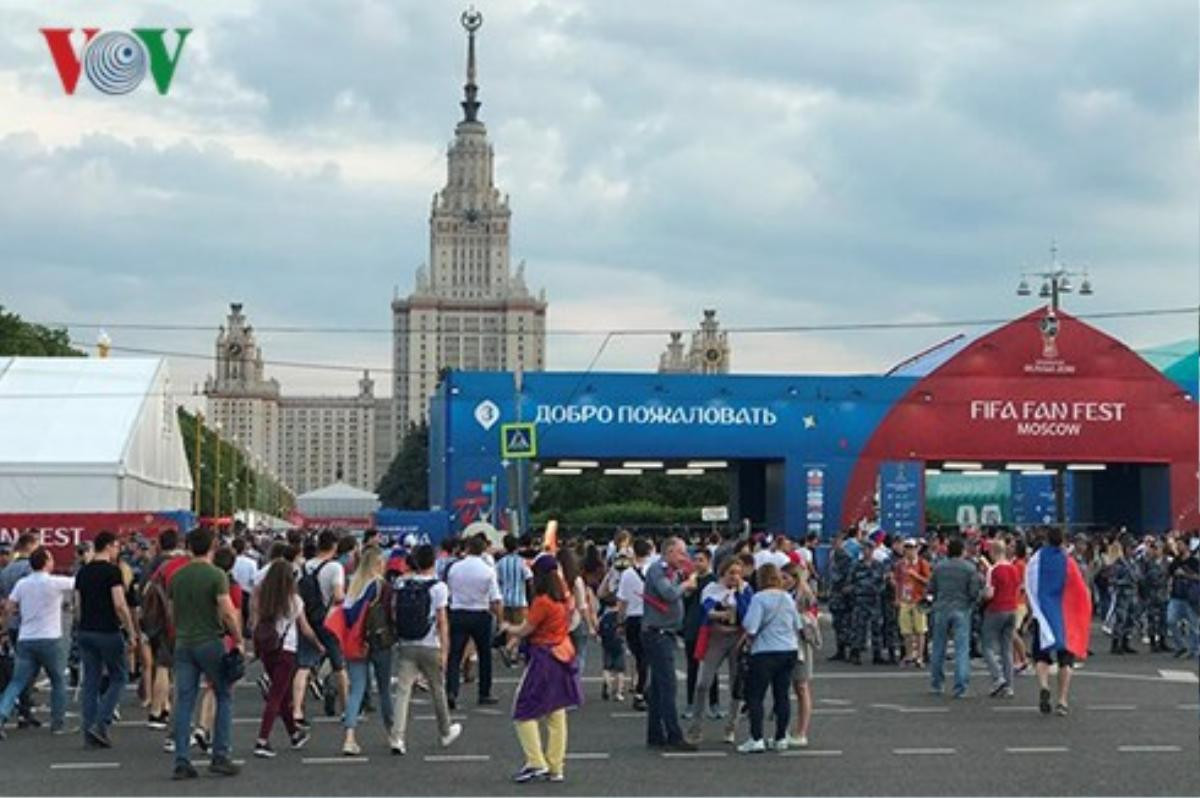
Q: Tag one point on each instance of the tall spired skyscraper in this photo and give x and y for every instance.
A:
(468, 310)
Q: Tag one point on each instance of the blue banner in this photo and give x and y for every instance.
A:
(902, 497)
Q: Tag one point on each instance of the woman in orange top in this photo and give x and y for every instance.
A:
(550, 684)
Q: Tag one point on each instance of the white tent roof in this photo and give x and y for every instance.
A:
(340, 490)
(338, 500)
(89, 434)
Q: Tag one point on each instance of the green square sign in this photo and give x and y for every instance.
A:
(518, 441)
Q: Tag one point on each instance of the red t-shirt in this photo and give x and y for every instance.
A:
(1006, 583)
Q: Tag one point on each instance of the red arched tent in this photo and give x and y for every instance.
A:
(1043, 388)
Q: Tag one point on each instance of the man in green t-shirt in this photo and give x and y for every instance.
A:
(202, 614)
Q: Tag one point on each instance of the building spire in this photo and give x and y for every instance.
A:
(471, 22)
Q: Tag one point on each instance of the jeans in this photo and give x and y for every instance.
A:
(661, 715)
(943, 620)
(467, 625)
(101, 653)
(281, 669)
(633, 637)
(190, 662)
(48, 655)
(693, 673)
(771, 669)
(413, 661)
(1180, 610)
(997, 637)
(360, 674)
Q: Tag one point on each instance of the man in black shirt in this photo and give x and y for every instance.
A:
(103, 614)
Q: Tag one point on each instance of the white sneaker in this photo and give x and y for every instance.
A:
(780, 745)
(752, 746)
(731, 737)
(797, 741)
(454, 733)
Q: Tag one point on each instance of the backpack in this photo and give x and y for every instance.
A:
(412, 607)
(155, 617)
(377, 628)
(309, 588)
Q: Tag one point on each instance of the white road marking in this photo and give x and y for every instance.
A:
(912, 710)
(1014, 709)
(1149, 749)
(453, 717)
(586, 756)
(695, 754)
(628, 714)
(1111, 707)
(1186, 677)
(1036, 749)
(335, 760)
(837, 702)
(812, 752)
(923, 751)
(489, 711)
(458, 757)
(85, 765)
(1189, 707)
(834, 711)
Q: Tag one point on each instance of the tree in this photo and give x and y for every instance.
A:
(405, 486)
(18, 337)
(248, 485)
(654, 496)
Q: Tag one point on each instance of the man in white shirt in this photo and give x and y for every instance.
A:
(39, 599)
(475, 603)
(630, 609)
(776, 555)
(331, 577)
(425, 656)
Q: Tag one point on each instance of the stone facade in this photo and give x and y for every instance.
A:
(307, 441)
(709, 352)
(468, 310)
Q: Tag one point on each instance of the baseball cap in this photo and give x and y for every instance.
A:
(545, 562)
(910, 542)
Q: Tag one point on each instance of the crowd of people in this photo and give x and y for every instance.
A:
(358, 623)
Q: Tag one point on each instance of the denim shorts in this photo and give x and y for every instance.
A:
(307, 655)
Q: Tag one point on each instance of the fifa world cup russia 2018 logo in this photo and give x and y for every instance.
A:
(1049, 329)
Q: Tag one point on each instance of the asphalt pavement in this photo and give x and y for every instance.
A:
(1134, 729)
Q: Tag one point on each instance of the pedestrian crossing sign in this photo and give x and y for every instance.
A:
(518, 441)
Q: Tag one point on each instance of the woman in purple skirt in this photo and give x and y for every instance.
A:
(550, 684)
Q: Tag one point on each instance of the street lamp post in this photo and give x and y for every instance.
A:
(1056, 281)
(198, 448)
(217, 475)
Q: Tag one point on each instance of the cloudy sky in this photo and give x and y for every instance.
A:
(784, 162)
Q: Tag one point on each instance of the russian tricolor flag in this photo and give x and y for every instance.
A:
(1060, 601)
(347, 621)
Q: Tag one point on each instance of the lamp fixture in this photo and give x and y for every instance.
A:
(685, 472)
(961, 465)
(708, 464)
(623, 472)
(643, 464)
(578, 464)
(1087, 467)
(1025, 467)
(562, 472)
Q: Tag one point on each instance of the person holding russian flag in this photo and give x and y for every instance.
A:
(1061, 607)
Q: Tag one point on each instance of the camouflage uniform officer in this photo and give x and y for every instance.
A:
(866, 585)
(841, 602)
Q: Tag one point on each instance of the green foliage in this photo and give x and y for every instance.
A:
(405, 486)
(638, 511)
(19, 337)
(561, 496)
(251, 489)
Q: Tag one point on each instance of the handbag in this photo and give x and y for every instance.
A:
(233, 666)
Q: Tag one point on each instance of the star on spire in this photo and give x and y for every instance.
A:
(471, 22)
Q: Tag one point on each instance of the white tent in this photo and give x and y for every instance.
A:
(338, 500)
(89, 435)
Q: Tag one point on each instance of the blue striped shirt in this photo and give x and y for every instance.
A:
(511, 573)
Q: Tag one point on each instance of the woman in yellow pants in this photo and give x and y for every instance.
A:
(550, 684)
